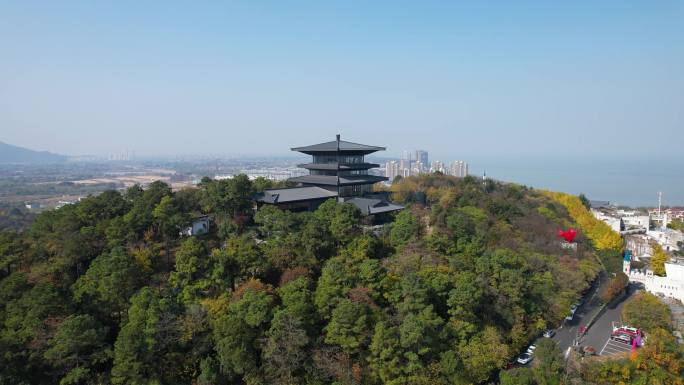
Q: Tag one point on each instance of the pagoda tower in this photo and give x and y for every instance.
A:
(339, 166)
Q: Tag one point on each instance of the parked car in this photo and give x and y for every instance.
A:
(524, 358)
(530, 350)
(633, 332)
(624, 338)
(589, 351)
(548, 333)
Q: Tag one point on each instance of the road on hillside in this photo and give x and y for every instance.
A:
(566, 334)
(598, 334)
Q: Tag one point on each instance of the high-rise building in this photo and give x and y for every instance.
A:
(407, 155)
(436, 166)
(459, 169)
(418, 168)
(405, 172)
(391, 169)
(417, 162)
(422, 157)
(404, 164)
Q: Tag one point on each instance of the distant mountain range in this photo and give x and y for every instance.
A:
(10, 154)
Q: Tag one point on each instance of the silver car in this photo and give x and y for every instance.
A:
(524, 358)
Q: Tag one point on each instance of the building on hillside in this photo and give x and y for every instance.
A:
(594, 204)
(640, 245)
(199, 226)
(671, 285)
(636, 221)
(665, 216)
(607, 213)
(614, 222)
(668, 239)
(338, 170)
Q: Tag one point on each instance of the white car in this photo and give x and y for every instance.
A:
(530, 350)
(624, 338)
(548, 333)
(524, 358)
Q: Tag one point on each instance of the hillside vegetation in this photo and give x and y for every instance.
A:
(105, 291)
(608, 243)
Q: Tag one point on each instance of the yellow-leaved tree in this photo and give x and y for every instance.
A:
(598, 232)
(658, 260)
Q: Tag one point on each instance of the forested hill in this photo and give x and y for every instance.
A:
(10, 154)
(105, 291)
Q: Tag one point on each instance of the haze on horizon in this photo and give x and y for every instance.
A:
(501, 79)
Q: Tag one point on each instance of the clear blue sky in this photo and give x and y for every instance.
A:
(461, 80)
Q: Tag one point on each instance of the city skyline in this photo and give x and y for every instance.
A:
(416, 162)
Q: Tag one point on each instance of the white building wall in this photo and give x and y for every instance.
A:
(642, 221)
(672, 285)
(667, 238)
(640, 245)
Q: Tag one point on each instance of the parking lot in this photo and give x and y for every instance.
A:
(611, 348)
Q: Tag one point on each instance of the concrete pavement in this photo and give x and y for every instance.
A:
(567, 332)
(598, 335)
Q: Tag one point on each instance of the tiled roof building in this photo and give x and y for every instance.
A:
(338, 170)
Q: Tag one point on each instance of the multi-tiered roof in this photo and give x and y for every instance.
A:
(338, 170)
(339, 163)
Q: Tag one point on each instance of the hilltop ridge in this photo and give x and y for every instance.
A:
(11, 154)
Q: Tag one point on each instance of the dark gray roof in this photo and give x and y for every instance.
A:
(295, 194)
(331, 180)
(343, 166)
(332, 147)
(599, 204)
(370, 206)
(367, 205)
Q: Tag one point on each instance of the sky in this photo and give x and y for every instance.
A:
(464, 80)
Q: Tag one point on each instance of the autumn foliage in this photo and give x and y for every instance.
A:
(598, 232)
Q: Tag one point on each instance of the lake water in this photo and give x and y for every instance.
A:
(629, 182)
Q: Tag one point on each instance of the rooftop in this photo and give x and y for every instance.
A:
(340, 166)
(294, 194)
(370, 206)
(331, 180)
(343, 146)
(596, 204)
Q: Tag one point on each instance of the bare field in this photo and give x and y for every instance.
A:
(126, 181)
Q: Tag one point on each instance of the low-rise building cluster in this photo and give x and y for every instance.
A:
(643, 231)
